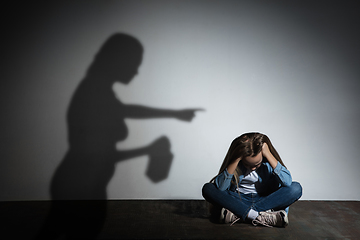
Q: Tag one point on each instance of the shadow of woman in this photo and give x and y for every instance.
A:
(96, 121)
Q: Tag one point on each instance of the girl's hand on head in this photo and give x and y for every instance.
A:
(265, 150)
(266, 153)
(236, 160)
(233, 165)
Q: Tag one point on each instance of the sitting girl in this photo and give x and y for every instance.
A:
(253, 184)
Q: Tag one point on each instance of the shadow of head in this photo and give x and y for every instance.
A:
(118, 59)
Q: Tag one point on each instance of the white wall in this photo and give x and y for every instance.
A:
(290, 71)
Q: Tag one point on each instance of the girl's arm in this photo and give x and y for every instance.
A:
(223, 180)
(280, 171)
(232, 166)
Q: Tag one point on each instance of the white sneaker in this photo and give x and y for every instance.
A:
(272, 219)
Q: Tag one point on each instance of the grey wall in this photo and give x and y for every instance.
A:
(290, 71)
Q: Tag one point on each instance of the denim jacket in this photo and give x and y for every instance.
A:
(269, 179)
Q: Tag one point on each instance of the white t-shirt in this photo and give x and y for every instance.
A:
(247, 184)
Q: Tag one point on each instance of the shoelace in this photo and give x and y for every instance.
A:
(233, 222)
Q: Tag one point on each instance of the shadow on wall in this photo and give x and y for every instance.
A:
(96, 121)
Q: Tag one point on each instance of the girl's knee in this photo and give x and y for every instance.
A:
(207, 185)
(207, 188)
(296, 189)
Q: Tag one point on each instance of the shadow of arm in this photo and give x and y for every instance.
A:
(142, 112)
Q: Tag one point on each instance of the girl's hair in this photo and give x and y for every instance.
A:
(246, 145)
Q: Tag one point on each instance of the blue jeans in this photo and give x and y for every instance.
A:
(281, 199)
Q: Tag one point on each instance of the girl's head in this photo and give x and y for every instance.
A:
(248, 147)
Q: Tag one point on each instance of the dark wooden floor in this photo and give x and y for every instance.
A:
(175, 219)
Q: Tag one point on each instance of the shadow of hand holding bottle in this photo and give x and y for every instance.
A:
(159, 151)
(160, 156)
(96, 121)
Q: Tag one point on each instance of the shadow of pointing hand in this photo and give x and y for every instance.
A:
(187, 114)
(160, 159)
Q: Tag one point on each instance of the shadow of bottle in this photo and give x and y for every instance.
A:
(96, 121)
